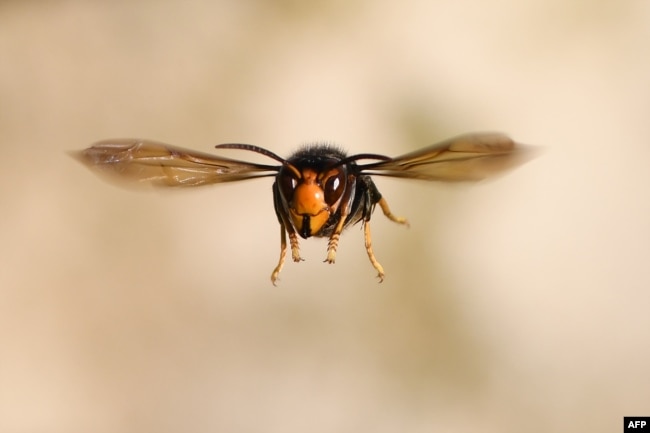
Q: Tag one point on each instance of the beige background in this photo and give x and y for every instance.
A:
(515, 305)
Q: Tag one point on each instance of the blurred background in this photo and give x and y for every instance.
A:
(518, 304)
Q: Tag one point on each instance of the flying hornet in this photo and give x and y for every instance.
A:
(319, 190)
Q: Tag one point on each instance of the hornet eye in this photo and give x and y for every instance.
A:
(334, 187)
(287, 184)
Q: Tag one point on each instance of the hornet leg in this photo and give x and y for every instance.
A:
(295, 251)
(371, 255)
(383, 204)
(375, 197)
(283, 254)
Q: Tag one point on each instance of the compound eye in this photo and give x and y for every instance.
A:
(334, 187)
(287, 185)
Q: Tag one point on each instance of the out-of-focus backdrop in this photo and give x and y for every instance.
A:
(519, 304)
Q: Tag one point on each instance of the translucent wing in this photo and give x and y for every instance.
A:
(162, 164)
(464, 158)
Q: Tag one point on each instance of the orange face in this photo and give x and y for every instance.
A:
(313, 198)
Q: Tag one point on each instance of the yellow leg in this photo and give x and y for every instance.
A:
(386, 210)
(295, 251)
(283, 255)
(333, 243)
(295, 248)
(371, 255)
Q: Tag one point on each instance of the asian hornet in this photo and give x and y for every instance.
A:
(318, 190)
